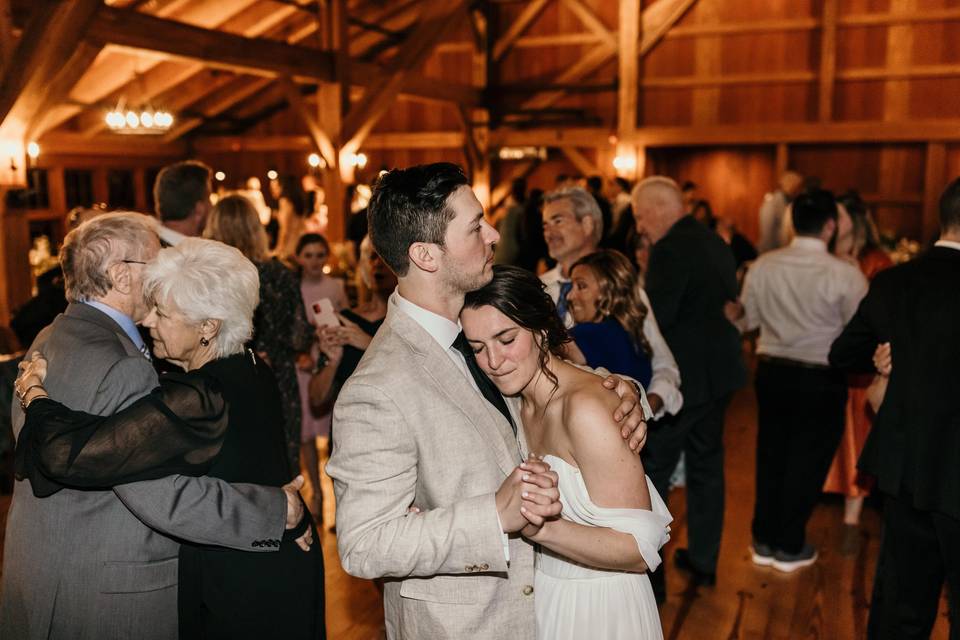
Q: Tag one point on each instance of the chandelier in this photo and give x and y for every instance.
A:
(143, 120)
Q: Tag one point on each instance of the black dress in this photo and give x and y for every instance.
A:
(223, 420)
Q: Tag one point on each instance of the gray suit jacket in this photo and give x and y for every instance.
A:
(103, 564)
(409, 428)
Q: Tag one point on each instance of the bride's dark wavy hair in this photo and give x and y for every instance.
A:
(522, 297)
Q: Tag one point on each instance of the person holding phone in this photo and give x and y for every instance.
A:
(319, 292)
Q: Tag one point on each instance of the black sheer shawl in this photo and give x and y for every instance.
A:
(179, 428)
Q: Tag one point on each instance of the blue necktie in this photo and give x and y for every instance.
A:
(562, 301)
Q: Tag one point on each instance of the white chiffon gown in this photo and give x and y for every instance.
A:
(575, 601)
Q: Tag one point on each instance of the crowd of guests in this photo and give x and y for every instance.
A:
(238, 369)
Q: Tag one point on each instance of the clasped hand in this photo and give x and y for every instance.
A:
(528, 496)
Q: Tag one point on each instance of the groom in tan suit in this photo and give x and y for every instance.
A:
(416, 425)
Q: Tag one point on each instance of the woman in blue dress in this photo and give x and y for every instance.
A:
(616, 329)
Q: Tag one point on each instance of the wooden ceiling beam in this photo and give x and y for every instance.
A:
(53, 32)
(437, 18)
(580, 161)
(628, 62)
(656, 20)
(63, 143)
(47, 115)
(530, 13)
(591, 21)
(258, 56)
(321, 139)
(395, 140)
(744, 134)
(8, 41)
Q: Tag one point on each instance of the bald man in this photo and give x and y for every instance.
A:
(690, 277)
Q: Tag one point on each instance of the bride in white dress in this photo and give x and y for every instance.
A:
(591, 579)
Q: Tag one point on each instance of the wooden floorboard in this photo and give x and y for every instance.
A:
(826, 601)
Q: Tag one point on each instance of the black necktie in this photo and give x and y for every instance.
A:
(487, 388)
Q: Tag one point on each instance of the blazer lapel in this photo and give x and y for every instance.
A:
(453, 383)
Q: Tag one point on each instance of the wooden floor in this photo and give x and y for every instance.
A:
(828, 600)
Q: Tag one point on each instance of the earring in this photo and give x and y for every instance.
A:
(204, 342)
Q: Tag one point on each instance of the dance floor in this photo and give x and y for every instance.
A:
(827, 600)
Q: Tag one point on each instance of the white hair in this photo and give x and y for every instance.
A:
(583, 205)
(208, 280)
(661, 190)
(91, 249)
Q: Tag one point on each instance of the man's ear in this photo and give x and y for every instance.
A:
(424, 256)
(121, 279)
(588, 224)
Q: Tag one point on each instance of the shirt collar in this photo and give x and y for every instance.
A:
(809, 243)
(949, 244)
(169, 236)
(552, 276)
(439, 328)
(126, 323)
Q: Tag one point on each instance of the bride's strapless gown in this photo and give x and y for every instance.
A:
(576, 601)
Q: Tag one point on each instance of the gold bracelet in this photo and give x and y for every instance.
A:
(23, 398)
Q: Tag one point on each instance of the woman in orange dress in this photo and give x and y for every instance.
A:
(861, 243)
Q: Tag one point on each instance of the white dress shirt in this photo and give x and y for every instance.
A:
(801, 297)
(553, 279)
(949, 244)
(666, 375)
(445, 333)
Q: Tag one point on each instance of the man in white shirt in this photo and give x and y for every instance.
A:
(800, 297)
(181, 197)
(415, 425)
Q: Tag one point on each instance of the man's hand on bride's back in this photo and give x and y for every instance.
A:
(528, 496)
(629, 413)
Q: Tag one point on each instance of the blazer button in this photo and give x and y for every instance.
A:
(484, 567)
(256, 543)
(527, 590)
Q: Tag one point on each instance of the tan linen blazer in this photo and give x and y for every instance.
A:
(409, 429)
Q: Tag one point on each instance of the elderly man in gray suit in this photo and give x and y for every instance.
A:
(103, 564)
(415, 426)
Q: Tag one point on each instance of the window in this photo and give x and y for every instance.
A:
(78, 184)
(120, 191)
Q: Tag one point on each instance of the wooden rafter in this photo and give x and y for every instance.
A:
(656, 20)
(46, 117)
(530, 13)
(591, 21)
(258, 56)
(828, 59)
(49, 39)
(437, 18)
(580, 161)
(502, 190)
(627, 92)
(7, 41)
(320, 137)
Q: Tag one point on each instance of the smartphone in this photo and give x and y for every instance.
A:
(323, 313)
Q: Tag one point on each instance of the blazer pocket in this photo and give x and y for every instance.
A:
(138, 577)
(442, 589)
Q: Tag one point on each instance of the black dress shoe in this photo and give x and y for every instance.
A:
(681, 558)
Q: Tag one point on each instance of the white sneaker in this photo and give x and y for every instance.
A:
(790, 562)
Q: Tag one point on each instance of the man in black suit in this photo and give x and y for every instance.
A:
(691, 276)
(914, 447)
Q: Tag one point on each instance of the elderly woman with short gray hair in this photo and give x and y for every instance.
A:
(220, 417)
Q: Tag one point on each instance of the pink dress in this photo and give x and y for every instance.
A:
(315, 425)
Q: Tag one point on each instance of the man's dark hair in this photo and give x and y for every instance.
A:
(624, 183)
(950, 207)
(518, 190)
(594, 184)
(812, 210)
(561, 178)
(178, 189)
(410, 205)
(689, 185)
